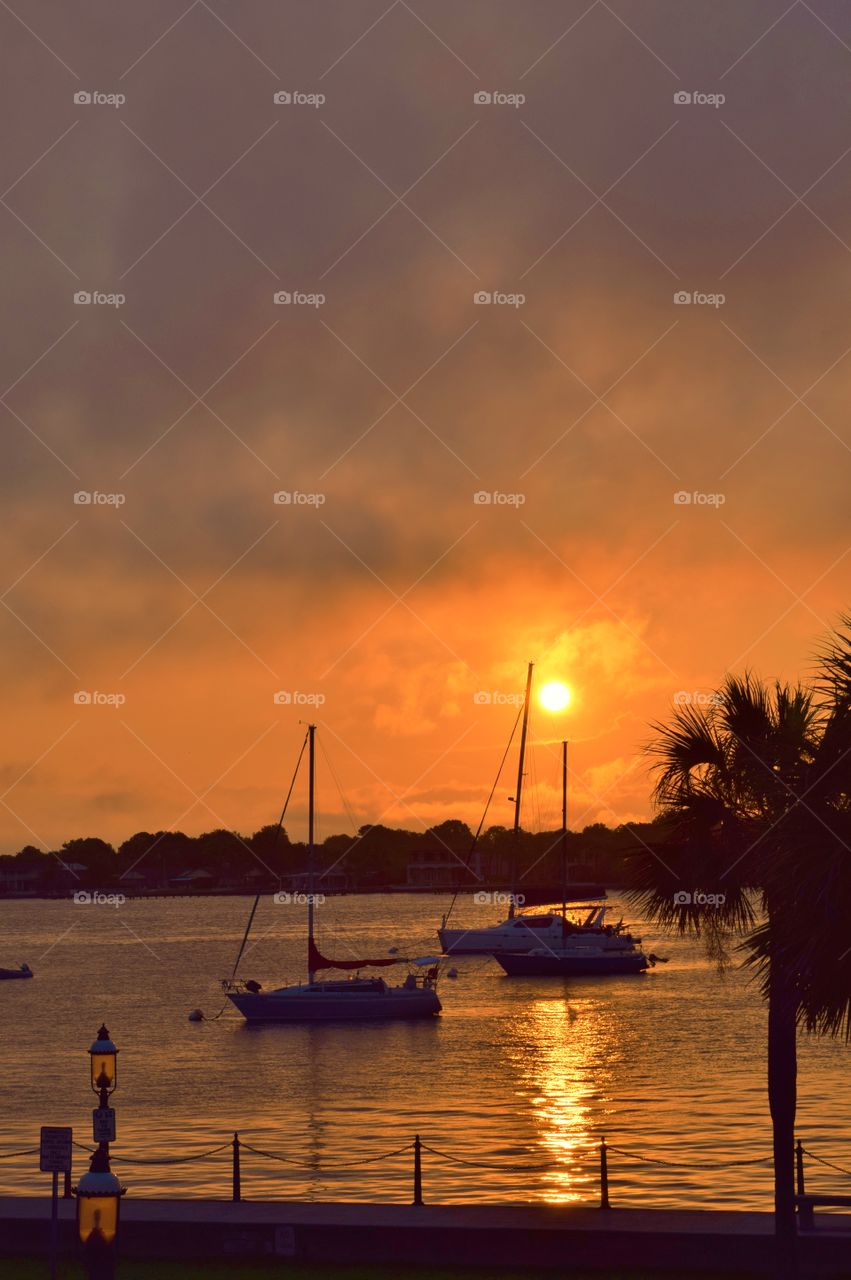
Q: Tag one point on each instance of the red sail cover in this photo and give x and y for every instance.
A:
(315, 960)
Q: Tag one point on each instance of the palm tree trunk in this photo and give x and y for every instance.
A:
(782, 1099)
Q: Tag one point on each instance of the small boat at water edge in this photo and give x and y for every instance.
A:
(23, 972)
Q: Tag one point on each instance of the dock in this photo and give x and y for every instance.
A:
(496, 1236)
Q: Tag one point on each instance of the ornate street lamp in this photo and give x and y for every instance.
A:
(104, 1059)
(99, 1192)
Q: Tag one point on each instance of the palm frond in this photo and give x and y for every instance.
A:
(834, 677)
(757, 791)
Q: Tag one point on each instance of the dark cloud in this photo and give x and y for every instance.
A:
(399, 397)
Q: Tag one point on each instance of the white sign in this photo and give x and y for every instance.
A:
(55, 1150)
(103, 1124)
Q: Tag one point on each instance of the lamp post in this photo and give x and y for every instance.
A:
(99, 1192)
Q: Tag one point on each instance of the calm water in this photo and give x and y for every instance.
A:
(516, 1071)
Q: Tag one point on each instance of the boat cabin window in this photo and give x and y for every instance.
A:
(534, 922)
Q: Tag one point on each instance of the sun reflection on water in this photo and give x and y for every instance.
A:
(565, 1087)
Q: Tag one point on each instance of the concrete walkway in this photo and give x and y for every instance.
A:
(511, 1236)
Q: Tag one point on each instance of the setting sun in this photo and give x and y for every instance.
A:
(555, 696)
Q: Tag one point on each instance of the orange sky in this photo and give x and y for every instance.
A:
(398, 598)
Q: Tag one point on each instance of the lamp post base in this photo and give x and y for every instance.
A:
(99, 1258)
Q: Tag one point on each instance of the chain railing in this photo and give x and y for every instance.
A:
(601, 1154)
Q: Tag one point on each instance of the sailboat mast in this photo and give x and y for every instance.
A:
(311, 857)
(519, 792)
(564, 830)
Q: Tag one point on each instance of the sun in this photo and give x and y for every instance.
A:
(555, 696)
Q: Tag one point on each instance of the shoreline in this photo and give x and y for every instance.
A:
(579, 892)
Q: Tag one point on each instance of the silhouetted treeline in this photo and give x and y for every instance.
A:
(170, 861)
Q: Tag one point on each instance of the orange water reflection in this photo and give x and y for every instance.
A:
(565, 1090)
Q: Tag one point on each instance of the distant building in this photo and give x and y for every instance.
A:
(137, 881)
(258, 879)
(193, 881)
(441, 869)
(437, 869)
(332, 881)
(21, 882)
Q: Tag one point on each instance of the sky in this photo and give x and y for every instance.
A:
(629, 464)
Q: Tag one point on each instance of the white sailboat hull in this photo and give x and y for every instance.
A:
(355, 1000)
(520, 934)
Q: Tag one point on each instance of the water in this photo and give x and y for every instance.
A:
(670, 1065)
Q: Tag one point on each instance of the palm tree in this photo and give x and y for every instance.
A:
(756, 791)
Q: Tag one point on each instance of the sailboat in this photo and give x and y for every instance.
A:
(589, 948)
(583, 953)
(354, 999)
(524, 931)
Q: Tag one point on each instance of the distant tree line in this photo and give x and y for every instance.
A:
(376, 856)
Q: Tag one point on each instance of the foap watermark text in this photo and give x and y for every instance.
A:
(494, 698)
(296, 298)
(684, 498)
(696, 98)
(699, 899)
(95, 98)
(498, 98)
(295, 498)
(495, 298)
(95, 698)
(695, 698)
(95, 298)
(496, 498)
(695, 298)
(484, 898)
(94, 498)
(295, 698)
(84, 898)
(298, 98)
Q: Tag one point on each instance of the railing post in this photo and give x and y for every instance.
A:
(237, 1181)
(418, 1171)
(799, 1165)
(604, 1175)
(66, 1192)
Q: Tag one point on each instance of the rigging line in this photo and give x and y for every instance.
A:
(346, 806)
(485, 814)
(271, 851)
(245, 937)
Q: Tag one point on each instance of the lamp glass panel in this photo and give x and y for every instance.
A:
(98, 1213)
(103, 1064)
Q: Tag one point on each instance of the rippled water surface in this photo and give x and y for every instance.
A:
(517, 1072)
